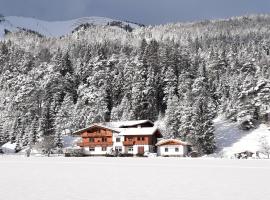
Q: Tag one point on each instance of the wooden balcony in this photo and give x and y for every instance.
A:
(89, 135)
(131, 143)
(128, 143)
(95, 144)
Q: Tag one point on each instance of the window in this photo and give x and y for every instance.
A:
(91, 149)
(104, 149)
(118, 139)
(176, 149)
(139, 138)
(142, 138)
(118, 149)
(130, 149)
(91, 139)
(166, 149)
(104, 139)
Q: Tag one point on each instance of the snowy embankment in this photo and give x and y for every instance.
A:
(52, 28)
(132, 178)
(230, 139)
(68, 141)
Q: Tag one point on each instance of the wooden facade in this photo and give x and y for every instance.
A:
(96, 136)
(141, 139)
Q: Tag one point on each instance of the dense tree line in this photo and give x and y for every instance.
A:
(184, 75)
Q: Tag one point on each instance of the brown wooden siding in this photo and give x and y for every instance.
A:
(142, 140)
(96, 137)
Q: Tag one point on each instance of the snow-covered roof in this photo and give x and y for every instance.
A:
(119, 124)
(171, 142)
(138, 131)
(117, 127)
(96, 125)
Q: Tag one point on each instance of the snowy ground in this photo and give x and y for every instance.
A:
(101, 178)
(230, 139)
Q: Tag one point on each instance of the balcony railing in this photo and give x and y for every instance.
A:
(128, 143)
(94, 144)
(131, 142)
(87, 135)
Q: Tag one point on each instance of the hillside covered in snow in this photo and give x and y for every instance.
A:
(56, 28)
(230, 139)
(185, 74)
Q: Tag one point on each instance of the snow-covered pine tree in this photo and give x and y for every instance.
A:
(262, 99)
(34, 132)
(2, 137)
(18, 147)
(202, 129)
(6, 136)
(173, 116)
(58, 140)
(246, 104)
(14, 132)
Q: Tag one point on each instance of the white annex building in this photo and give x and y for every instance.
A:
(172, 147)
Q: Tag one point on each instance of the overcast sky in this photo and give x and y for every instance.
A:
(142, 11)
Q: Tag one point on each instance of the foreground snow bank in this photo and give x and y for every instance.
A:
(132, 178)
(230, 139)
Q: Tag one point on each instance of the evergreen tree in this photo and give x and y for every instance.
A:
(58, 140)
(34, 132)
(18, 147)
(2, 137)
(173, 115)
(202, 128)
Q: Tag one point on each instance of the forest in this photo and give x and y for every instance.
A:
(181, 75)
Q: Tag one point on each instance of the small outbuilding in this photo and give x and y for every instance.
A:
(172, 147)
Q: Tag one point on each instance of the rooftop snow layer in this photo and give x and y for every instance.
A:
(120, 124)
(138, 131)
(176, 141)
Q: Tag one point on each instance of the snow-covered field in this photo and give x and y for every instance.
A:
(100, 178)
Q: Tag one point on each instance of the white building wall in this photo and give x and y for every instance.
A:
(118, 144)
(98, 151)
(171, 150)
(147, 148)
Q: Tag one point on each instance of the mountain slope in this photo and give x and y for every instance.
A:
(230, 139)
(54, 28)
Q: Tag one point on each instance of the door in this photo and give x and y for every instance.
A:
(140, 150)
